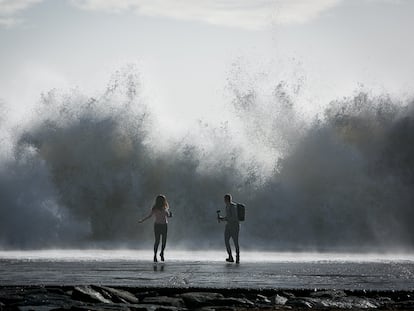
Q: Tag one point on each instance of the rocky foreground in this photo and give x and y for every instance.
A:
(94, 297)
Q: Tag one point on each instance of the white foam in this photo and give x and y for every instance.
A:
(208, 256)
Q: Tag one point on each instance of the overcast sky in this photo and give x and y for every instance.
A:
(187, 51)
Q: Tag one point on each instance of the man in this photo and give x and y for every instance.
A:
(232, 227)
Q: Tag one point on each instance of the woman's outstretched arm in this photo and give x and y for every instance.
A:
(146, 217)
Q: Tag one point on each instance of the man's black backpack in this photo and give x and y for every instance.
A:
(241, 211)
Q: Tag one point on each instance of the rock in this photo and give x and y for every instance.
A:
(278, 300)
(318, 302)
(119, 295)
(87, 294)
(104, 293)
(101, 307)
(164, 308)
(35, 298)
(142, 295)
(405, 305)
(11, 299)
(142, 308)
(328, 294)
(218, 308)
(164, 301)
(262, 299)
(11, 295)
(36, 308)
(299, 303)
(232, 301)
(344, 303)
(55, 290)
(94, 298)
(361, 302)
(384, 301)
(199, 299)
(289, 295)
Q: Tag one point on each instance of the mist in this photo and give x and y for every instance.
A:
(81, 171)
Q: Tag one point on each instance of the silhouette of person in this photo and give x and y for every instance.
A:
(160, 211)
(232, 228)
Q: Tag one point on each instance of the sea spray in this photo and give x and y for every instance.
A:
(346, 184)
(100, 166)
(84, 170)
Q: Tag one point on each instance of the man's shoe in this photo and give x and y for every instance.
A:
(162, 256)
(155, 258)
(237, 259)
(230, 259)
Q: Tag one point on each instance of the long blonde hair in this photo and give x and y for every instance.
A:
(160, 202)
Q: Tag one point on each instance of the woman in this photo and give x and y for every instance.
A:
(161, 211)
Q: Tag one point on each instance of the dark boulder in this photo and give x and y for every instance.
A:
(164, 301)
(200, 299)
(88, 294)
(117, 295)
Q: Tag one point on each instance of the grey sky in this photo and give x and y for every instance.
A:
(187, 50)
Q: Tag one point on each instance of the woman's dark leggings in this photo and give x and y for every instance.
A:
(160, 230)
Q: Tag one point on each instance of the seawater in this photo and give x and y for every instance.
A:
(208, 269)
